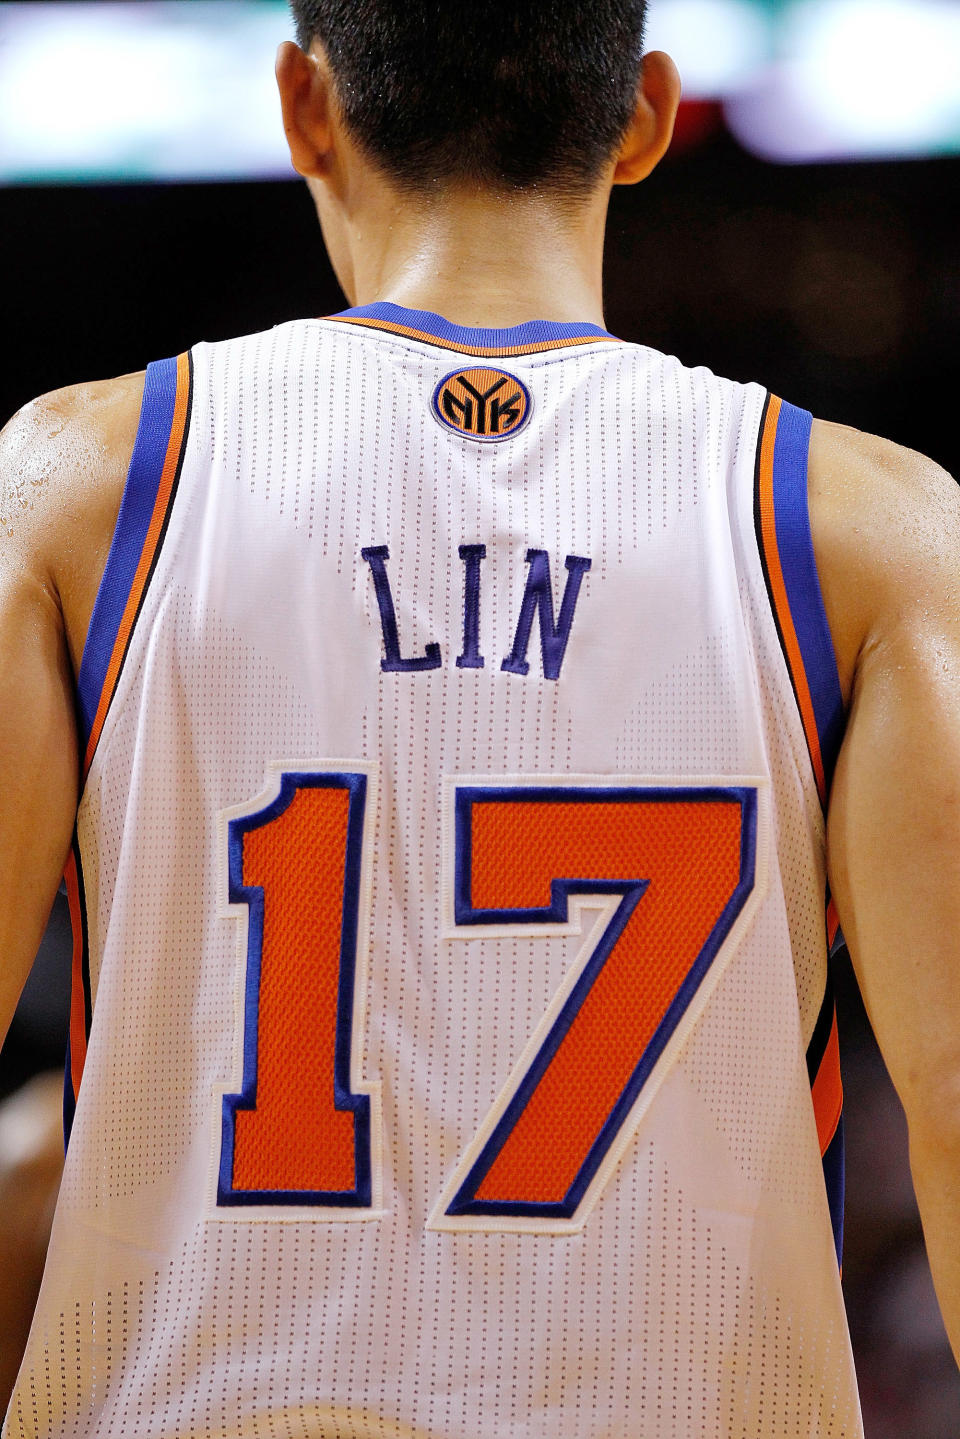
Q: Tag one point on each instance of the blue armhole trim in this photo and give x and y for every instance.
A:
(799, 566)
(133, 522)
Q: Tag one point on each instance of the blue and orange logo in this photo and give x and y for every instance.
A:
(484, 404)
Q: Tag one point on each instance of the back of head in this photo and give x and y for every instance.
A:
(534, 94)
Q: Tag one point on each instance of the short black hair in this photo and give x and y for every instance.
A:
(515, 95)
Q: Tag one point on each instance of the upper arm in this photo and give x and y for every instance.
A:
(62, 466)
(886, 526)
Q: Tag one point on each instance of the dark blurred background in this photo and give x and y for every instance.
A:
(838, 286)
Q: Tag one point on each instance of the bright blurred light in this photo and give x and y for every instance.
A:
(885, 71)
(717, 44)
(157, 88)
(184, 89)
(857, 78)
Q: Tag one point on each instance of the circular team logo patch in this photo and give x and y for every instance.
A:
(482, 403)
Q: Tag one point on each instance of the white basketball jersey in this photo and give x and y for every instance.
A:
(449, 893)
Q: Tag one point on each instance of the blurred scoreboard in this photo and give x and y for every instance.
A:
(183, 89)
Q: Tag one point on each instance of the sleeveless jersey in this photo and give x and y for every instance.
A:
(449, 897)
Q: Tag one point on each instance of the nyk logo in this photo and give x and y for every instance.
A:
(484, 404)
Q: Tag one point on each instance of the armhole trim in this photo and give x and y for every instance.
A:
(148, 496)
(81, 1008)
(785, 543)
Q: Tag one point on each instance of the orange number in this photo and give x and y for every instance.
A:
(674, 866)
(679, 862)
(296, 1133)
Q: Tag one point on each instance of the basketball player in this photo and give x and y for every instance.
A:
(482, 724)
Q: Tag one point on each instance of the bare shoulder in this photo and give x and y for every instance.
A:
(62, 453)
(63, 463)
(886, 531)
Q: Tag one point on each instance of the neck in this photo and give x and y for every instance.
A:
(478, 259)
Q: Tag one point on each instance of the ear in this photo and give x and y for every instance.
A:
(651, 129)
(305, 100)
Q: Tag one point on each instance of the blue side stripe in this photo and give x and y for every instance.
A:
(833, 1160)
(133, 522)
(834, 1177)
(533, 332)
(69, 1101)
(798, 562)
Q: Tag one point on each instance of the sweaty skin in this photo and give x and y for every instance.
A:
(886, 529)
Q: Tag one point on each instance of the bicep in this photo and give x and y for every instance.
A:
(38, 770)
(888, 526)
(894, 854)
(63, 461)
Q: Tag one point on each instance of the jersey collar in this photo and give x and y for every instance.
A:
(433, 329)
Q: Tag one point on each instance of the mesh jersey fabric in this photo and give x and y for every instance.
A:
(528, 870)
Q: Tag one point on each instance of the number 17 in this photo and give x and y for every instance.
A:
(671, 867)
